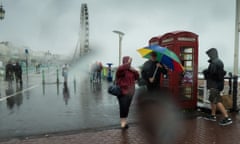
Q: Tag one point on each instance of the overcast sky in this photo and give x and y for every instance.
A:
(55, 24)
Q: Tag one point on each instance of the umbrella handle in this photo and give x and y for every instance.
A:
(154, 74)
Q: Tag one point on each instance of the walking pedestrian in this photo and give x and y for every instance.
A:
(95, 72)
(151, 72)
(126, 77)
(214, 75)
(18, 73)
(65, 73)
(9, 73)
(99, 71)
(66, 94)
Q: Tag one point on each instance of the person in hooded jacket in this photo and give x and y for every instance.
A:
(214, 75)
(126, 77)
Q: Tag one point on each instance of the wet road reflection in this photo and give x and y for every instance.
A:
(66, 94)
(14, 100)
(37, 108)
(124, 137)
(10, 100)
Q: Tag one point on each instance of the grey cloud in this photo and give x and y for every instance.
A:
(55, 24)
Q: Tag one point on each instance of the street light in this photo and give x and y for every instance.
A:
(236, 44)
(120, 34)
(2, 12)
(236, 57)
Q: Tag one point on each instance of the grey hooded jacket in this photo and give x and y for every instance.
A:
(215, 72)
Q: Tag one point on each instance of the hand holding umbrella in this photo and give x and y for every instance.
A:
(151, 79)
(158, 65)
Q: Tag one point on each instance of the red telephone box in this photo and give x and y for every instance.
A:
(183, 85)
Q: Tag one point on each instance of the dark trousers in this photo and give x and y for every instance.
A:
(124, 105)
(153, 86)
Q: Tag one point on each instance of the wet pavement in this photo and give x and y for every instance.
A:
(37, 109)
(194, 131)
(83, 113)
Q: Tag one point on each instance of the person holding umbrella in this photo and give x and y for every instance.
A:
(151, 72)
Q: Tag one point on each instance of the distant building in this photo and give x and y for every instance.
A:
(9, 51)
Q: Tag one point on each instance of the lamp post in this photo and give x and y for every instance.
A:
(2, 12)
(236, 57)
(120, 34)
(236, 45)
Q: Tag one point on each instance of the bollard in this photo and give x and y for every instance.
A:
(57, 89)
(43, 77)
(57, 76)
(43, 89)
(74, 83)
(234, 93)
